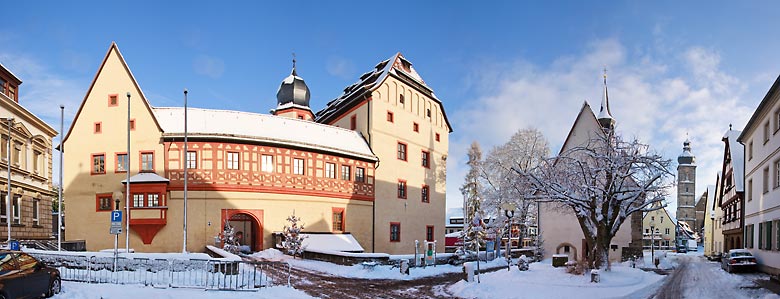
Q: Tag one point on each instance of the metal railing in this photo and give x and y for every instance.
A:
(165, 273)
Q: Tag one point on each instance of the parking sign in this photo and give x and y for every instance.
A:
(116, 216)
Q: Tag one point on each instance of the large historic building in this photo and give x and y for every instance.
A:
(761, 204)
(371, 163)
(686, 185)
(731, 193)
(30, 155)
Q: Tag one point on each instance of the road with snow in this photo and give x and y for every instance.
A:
(695, 277)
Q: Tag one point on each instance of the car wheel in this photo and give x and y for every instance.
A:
(3, 296)
(54, 287)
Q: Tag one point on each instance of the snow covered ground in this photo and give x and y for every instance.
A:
(542, 280)
(78, 290)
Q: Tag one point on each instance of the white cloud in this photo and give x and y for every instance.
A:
(655, 96)
(340, 67)
(209, 66)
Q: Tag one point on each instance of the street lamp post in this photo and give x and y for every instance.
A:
(652, 242)
(509, 212)
(59, 190)
(127, 191)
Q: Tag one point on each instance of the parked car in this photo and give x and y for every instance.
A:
(738, 259)
(24, 276)
(682, 248)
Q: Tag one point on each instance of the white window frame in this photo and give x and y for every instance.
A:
(299, 166)
(138, 200)
(153, 199)
(330, 170)
(16, 213)
(233, 161)
(36, 211)
(267, 163)
(191, 158)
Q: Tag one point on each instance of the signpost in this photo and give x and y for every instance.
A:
(116, 222)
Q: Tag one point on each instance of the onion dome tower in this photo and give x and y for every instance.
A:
(292, 98)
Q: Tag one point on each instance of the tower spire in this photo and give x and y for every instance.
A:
(293, 61)
(605, 115)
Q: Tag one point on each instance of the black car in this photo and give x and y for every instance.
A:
(23, 276)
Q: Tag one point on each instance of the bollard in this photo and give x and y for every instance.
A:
(404, 267)
(468, 271)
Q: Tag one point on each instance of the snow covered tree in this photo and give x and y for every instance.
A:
(603, 182)
(228, 237)
(524, 151)
(293, 240)
(472, 205)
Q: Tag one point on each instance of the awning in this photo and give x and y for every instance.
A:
(146, 177)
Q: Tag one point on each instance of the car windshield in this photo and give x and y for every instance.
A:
(736, 254)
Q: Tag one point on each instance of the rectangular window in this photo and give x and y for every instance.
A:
(395, 232)
(760, 235)
(98, 164)
(232, 160)
(2, 86)
(424, 194)
(360, 174)
(749, 236)
(138, 200)
(268, 163)
(766, 132)
(667, 231)
(121, 163)
(768, 233)
(147, 161)
(353, 122)
(415, 127)
(401, 99)
(389, 116)
(330, 170)
(402, 189)
(401, 151)
(426, 159)
(4, 148)
(428, 112)
(338, 219)
(103, 202)
(192, 160)
(346, 172)
(438, 137)
(132, 125)
(750, 190)
(153, 200)
(16, 157)
(750, 150)
(37, 162)
(112, 100)
(298, 167)
(776, 225)
(3, 207)
(98, 127)
(766, 180)
(35, 211)
(429, 233)
(16, 209)
(777, 173)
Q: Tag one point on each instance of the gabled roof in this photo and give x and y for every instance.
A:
(766, 102)
(398, 67)
(737, 152)
(94, 80)
(586, 114)
(238, 125)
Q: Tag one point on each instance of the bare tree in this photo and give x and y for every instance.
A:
(525, 150)
(603, 182)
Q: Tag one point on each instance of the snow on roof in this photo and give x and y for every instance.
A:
(331, 242)
(146, 177)
(737, 158)
(710, 197)
(263, 128)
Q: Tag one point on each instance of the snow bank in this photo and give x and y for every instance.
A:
(77, 290)
(107, 253)
(544, 281)
(227, 255)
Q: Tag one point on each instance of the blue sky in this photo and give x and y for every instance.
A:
(675, 67)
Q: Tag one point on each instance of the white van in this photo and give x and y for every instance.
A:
(692, 246)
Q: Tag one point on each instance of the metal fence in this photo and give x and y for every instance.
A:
(165, 273)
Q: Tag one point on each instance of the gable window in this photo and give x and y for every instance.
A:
(360, 174)
(103, 202)
(425, 194)
(298, 166)
(667, 231)
(437, 137)
(346, 172)
(353, 122)
(395, 232)
(121, 163)
(401, 151)
(268, 163)
(429, 233)
(98, 127)
(147, 161)
(426, 158)
(192, 160)
(330, 170)
(750, 150)
(389, 116)
(132, 125)
(338, 219)
(401, 189)
(428, 112)
(36, 212)
(401, 99)
(112, 100)
(777, 120)
(233, 160)
(415, 127)
(98, 164)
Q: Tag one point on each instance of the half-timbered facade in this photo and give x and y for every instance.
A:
(731, 192)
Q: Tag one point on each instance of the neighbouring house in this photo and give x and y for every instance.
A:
(28, 155)
(659, 227)
(253, 170)
(559, 228)
(700, 210)
(713, 236)
(731, 192)
(762, 179)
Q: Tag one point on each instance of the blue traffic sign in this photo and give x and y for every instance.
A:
(116, 216)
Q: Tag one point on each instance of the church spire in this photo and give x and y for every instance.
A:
(605, 115)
